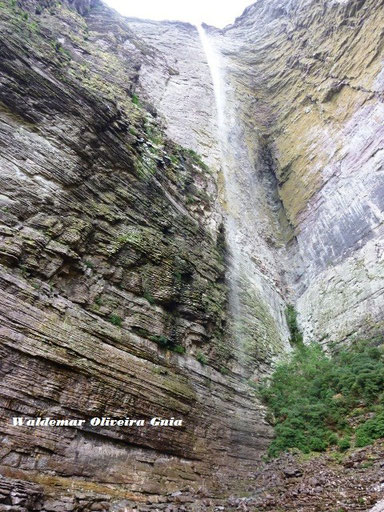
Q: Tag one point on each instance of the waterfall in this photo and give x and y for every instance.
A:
(217, 75)
(213, 60)
(256, 304)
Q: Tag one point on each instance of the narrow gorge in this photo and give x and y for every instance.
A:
(169, 193)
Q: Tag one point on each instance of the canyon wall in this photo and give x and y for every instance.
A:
(304, 81)
(114, 204)
(315, 70)
(216, 124)
(113, 292)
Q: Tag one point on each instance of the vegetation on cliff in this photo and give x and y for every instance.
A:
(319, 400)
(296, 337)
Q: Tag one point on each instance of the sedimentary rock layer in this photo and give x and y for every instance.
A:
(316, 72)
(305, 81)
(113, 295)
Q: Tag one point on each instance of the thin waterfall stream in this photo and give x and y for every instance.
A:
(248, 217)
(223, 130)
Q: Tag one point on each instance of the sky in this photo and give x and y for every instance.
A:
(218, 13)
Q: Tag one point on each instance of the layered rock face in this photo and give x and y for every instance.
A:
(304, 92)
(316, 73)
(216, 123)
(114, 262)
(113, 294)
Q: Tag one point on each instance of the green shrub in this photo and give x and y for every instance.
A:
(149, 298)
(370, 430)
(178, 349)
(168, 344)
(332, 439)
(363, 439)
(202, 358)
(161, 340)
(344, 443)
(291, 316)
(115, 320)
(311, 396)
(135, 100)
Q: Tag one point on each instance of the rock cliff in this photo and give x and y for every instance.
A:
(306, 81)
(113, 293)
(316, 70)
(115, 246)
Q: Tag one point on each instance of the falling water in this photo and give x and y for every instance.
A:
(256, 306)
(214, 64)
(213, 61)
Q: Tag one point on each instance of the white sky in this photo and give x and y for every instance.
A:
(218, 13)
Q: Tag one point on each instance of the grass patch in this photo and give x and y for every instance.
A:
(167, 344)
(312, 395)
(115, 320)
(147, 296)
(135, 100)
(196, 158)
(202, 358)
